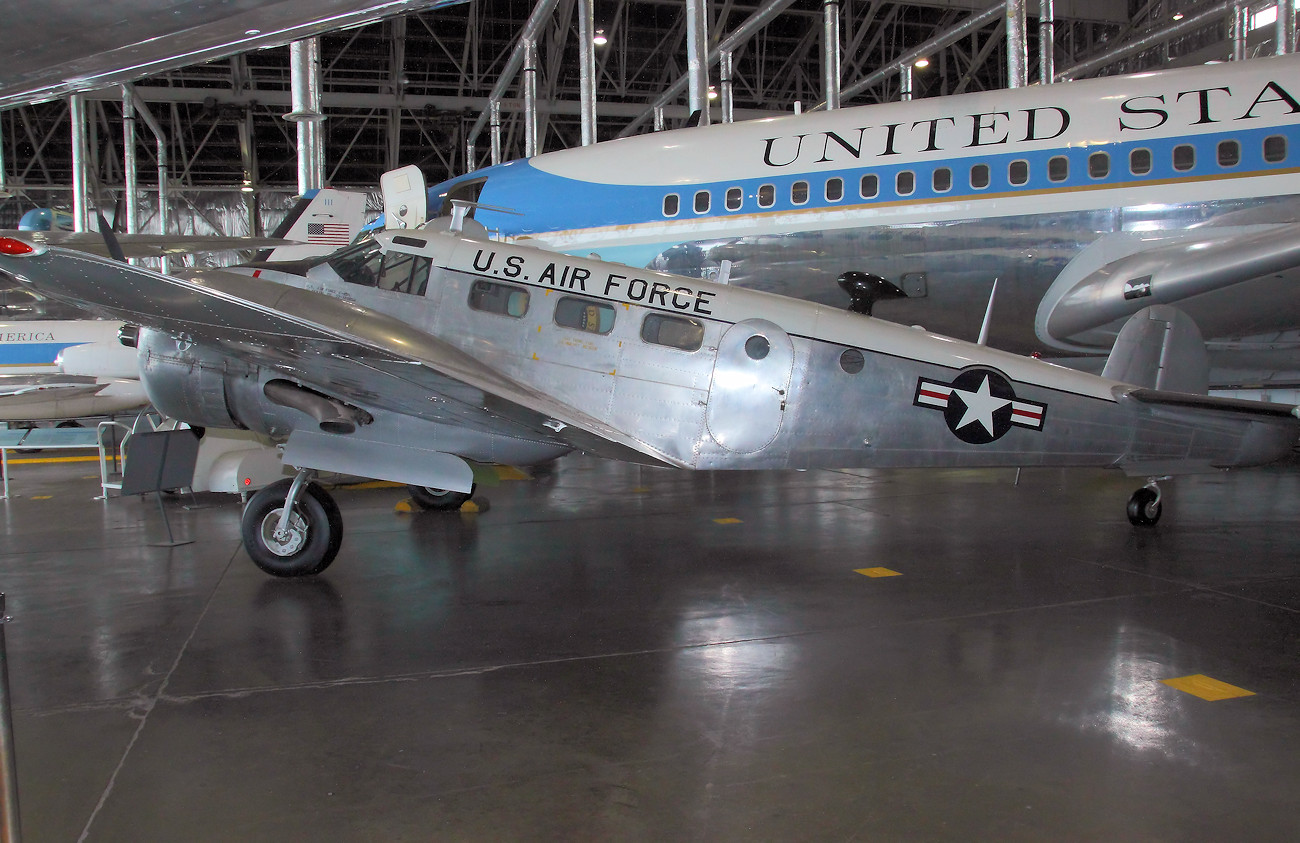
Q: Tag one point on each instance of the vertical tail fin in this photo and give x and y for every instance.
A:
(323, 221)
(1160, 347)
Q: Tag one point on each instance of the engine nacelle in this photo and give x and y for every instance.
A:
(202, 387)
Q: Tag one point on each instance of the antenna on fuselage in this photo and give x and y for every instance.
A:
(988, 315)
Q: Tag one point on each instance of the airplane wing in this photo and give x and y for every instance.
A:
(338, 347)
(55, 387)
(148, 245)
(1234, 282)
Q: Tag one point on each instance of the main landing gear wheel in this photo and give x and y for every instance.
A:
(1144, 507)
(311, 540)
(427, 497)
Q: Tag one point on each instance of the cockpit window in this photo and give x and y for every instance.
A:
(358, 264)
(404, 273)
(364, 265)
(466, 191)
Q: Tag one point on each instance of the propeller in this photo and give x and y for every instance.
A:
(110, 241)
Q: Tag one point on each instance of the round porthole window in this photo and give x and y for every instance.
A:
(851, 361)
(757, 347)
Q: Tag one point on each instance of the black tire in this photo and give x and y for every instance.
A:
(317, 528)
(1144, 508)
(441, 500)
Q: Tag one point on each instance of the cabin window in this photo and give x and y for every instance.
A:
(852, 361)
(502, 299)
(941, 180)
(359, 264)
(1274, 149)
(799, 192)
(766, 196)
(404, 273)
(466, 192)
(673, 331)
(905, 183)
(1018, 172)
(1139, 162)
(672, 204)
(702, 202)
(585, 315)
(1184, 157)
(979, 176)
(869, 186)
(1058, 168)
(1229, 153)
(834, 190)
(1099, 165)
(734, 197)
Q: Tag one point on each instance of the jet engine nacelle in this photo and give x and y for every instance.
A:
(98, 360)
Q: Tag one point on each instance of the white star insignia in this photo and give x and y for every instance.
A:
(980, 406)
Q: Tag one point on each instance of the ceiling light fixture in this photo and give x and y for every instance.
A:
(922, 62)
(599, 39)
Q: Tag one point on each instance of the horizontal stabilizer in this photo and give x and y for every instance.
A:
(1161, 348)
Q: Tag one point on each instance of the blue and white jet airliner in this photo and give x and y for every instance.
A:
(1086, 201)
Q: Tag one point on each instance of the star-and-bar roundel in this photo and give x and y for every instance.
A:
(979, 406)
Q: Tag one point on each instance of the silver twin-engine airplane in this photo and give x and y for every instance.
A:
(407, 357)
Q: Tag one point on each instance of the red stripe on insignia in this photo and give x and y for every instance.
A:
(929, 393)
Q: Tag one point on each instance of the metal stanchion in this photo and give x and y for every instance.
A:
(10, 828)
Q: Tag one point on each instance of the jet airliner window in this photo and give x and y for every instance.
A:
(734, 197)
(702, 202)
(766, 196)
(1229, 153)
(941, 180)
(1058, 168)
(868, 187)
(799, 192)
(502, 299)
(1018, 172)
(1184, 157)
(673, 331)
(585, 315)
(1139, 162)
(1274, 149)
(834, 190)
(905, 183)
(979, 176)
(1099, 165)
(671, 205)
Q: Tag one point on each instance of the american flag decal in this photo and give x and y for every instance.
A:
(979, 406)
(329, 233)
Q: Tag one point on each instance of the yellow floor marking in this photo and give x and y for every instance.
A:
(1200, 685)
(876, 572)
(41, 497)
(509, 472)
(34, 460)
(727, 521)
(470, 506)
(377, 484)
(404, 506)
(640, 490)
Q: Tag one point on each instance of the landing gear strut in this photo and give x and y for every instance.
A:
(1144, 507)
(292, 528)
(427, 497)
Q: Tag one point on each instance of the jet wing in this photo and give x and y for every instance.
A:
(148, 245)
(53, 387)
(1236, 282)
(338, 347)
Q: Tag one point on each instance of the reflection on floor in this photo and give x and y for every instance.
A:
(615, 653)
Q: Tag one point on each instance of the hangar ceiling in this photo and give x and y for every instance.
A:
(410, 87)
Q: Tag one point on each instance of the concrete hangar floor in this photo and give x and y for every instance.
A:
(614, 653)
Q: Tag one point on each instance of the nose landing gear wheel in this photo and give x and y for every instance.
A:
(1144, 507)
(307, 546)
(427, 497)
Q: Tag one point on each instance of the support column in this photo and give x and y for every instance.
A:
(587, 55)
(494, 122)
(470, 166)
(80, 198)
(726, 94)
(304, 77)
(1046, 41)
(1285, 35)
(697, 58)
(905, 83)
(658, 112)
(1237, 25)
(131, 178)
(1017, 45)
(530, 98)
(831, 53)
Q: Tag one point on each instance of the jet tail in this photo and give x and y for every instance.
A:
(323, 221)
(1161, 348)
